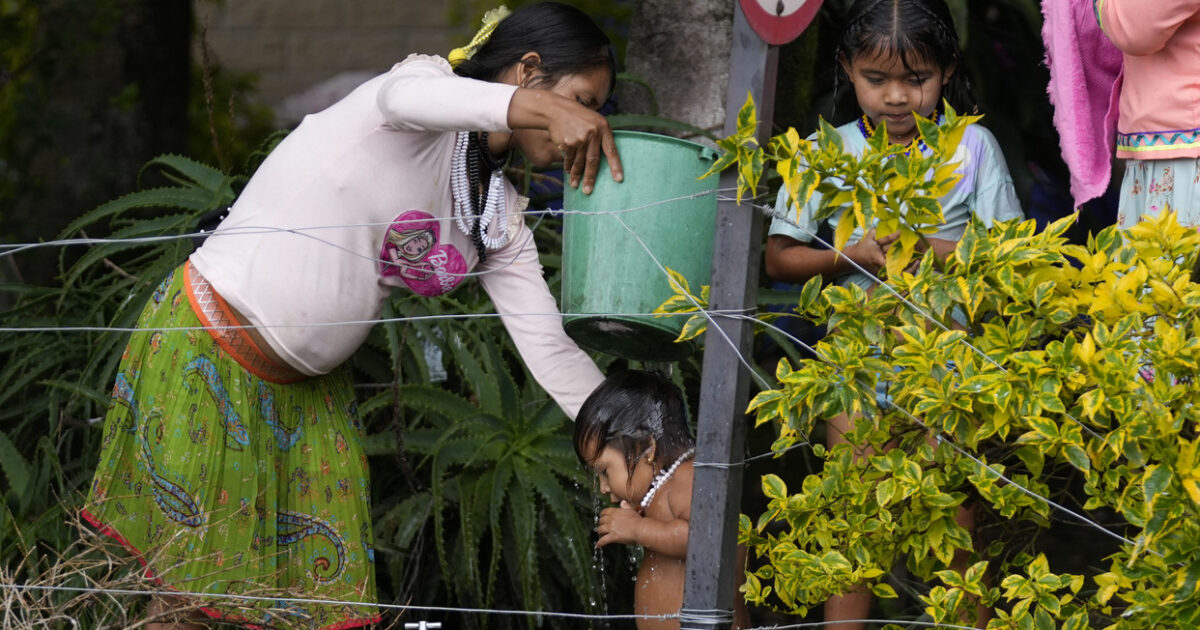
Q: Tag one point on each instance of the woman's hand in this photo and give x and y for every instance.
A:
(618, 525)
(581, 135)
(577, 135)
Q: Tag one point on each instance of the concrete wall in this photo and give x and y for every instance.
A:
(294, 45)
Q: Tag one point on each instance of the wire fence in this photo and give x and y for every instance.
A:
(746, 362)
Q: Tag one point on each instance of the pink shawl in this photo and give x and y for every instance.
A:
(1085, 85)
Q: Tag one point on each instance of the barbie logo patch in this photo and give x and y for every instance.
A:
(413, 254)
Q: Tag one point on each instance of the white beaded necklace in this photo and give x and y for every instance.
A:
(662, 478)
(461, 192)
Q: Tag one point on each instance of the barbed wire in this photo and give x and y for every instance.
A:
(1083, 519)
(712, 322)
(685, 615)
(322, 602)
(774, 213)
(382, 320)
(824, 359)
(10, 249)
(709, 314)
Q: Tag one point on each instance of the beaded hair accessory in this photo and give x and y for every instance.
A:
(655, 422)
(490, 20)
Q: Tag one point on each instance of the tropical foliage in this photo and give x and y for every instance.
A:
(1031, 380)
(480, 501)
(492, 500)
(447, 495)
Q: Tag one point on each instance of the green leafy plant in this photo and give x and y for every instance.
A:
(499, 495)
(479, 498)
(1066, 381)
(899, 189)
(742, 149)
(55, 384)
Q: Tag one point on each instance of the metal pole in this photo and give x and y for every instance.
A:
(724, 385)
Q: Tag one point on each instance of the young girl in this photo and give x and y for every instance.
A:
(632, 431)
(901, 57)
(1159, 121)
(231, 460)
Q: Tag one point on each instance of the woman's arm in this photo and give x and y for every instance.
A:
(512, 276)
(422, 93)
(1141, 27)
(580, 133)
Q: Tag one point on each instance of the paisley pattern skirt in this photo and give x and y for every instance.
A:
(225, 482)
(1149, 186)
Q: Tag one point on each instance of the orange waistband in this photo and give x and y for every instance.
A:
(221, 322)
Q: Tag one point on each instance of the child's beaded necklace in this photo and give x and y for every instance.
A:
(918, 143)
(662, 478)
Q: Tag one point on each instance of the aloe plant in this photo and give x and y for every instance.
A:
(54, 384)
(488, 506)
(493, 500)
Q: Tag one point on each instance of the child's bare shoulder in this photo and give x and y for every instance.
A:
(679, 492)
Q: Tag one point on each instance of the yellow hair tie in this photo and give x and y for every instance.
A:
(490, 20)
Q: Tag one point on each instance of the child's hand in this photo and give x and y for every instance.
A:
(618, 525)
(871, 253)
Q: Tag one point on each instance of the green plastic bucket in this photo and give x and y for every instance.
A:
(611, 283)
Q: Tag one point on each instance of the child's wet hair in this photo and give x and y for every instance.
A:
(913, 30)
(566, 39)
(629, 409)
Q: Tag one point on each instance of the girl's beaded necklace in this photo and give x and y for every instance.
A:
(662, 478)
(475, 207)
(918, 143)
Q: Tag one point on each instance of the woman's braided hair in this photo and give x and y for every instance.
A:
(909, 29)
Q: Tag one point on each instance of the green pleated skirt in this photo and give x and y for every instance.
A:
(229, 484)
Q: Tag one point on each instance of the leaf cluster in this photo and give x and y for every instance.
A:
(490, 494)
(1029, 379)
(479, 500)
(1023, 360)
(889, 187)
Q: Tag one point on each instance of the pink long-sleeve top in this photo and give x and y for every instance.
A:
(1160, 98)
(356, 202)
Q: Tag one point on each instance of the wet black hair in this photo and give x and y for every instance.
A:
(566, 39)
(629, 409)
(909, 29)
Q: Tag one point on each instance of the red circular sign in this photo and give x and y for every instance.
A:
(779, 21)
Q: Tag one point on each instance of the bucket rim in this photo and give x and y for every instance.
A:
(620, 133)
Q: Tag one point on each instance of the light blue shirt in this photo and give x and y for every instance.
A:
(985, 191)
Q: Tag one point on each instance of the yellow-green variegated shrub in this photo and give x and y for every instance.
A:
(1073, 358)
